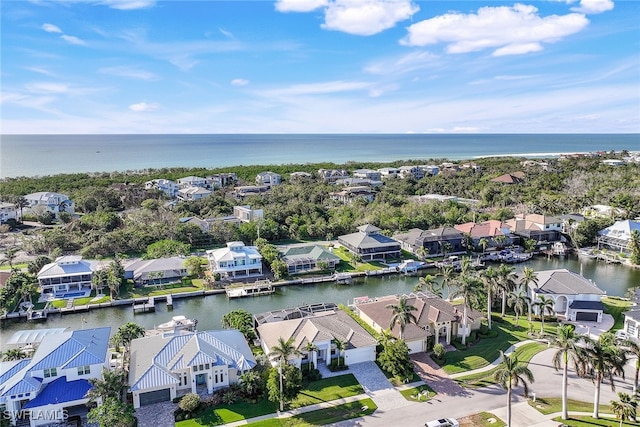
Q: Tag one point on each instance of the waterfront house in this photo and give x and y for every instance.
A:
(368, 244)
(168, 187)
(235, 260)
(618, 236)
(194, 181)
(370, 174)
(436, 317)
(52, 385)
(351, 194)
(321, 328)
(302, 258)
(164, 367)
(159, 271)
(9, 211)
(268, 178)
(495, 232)
(576, 298)
(632, 323)
(389, 172)
(435, 241)
(332, 175)
(67, 275)
(46, 201)
(541, 228)
(220, 180)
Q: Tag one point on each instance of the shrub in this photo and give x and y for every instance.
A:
(189, 402)
(230, 396)
(473, 336)
(179, 417)
(311, 375)
(484, 329)
(439, 351)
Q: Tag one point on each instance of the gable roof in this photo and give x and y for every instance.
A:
(367, 237)
(417, 236)
(564, 282)
(509, 178)
(621, 229)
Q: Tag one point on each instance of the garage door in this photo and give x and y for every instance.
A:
(155, 396)
(587, 317)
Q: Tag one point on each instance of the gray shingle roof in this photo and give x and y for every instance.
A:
(564, 282)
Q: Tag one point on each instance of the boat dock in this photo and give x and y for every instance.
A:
(169, 301)
(258, 288)
(145, 306)
(344, 278)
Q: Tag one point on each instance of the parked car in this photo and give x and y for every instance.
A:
(621, 334)
(443, 422)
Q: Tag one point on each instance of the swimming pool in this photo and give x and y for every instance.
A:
(73, 294)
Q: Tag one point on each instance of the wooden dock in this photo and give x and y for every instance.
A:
(145, 307)
(263, 288)
(169, 301)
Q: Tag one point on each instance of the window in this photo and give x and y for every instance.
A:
(51, 372)
(84, 370)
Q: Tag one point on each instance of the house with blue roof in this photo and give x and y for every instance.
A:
(163, 367)
(52, 385)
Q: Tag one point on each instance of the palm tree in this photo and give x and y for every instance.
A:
(310, 348)
(14, 354)
(566, 341)
(625, 408)
(489, 277)
(509, 374)
(340, 346)
(545, 305)
(402, 314)
(483, 243)
(110, 386)
(506, 283)
(430, 284)
(606, 360)
(633, 349)
(519, 300)
(529, 276)
(10, 255)
(281, 352)
(20, 202)
(447, 273)
(469, 289)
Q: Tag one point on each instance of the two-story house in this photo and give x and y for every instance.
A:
(67, 276)
(8, 211)
(368, 244)
(541, 228)
(49, 201)
(220, 180)
(370, 174)
(235, 260)
(194, 181)
(167, 186)
(436, 241)
(268, 178)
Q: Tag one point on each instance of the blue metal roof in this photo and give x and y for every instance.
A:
(83, 347)
(60, 391)
(25, 385)
(12, 370)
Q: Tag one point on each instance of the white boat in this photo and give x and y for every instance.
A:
(178, 323)
(586, 253)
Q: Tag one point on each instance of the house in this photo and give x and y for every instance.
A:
(301, 258)
(321, 328)
(510, 178)
(618, 236)
(495, 232)
(68, 274)
(541, 228)
(190, 194)
(437, 320)
(202, 224)
(370, 174)
(220, 180)
(52, 385)
(268, 178)
(47, 201)
(436, 241)
(570, 222)
(249, 190)
(193, 181)
(164, 367)
(429, 170)
(411, 172)
(235, 260)
(632, 323)
(602, 211)
(576, 298)
(246, 214)
(300, 177)
(368, 244)
(9, 211)
(613, 162)
(351, 194)
(332, 175)
(389, 172)
(155, 271)
(168, 187)
(354, 182)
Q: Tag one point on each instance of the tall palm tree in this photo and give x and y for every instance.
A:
(606, 360)
(402, 314)
(483, 243)
(509, 374)
(10, 255)
(310, 348)
(633, 349)
(506, 283)
(529, 276)
(567, 343)
(545, 305)
(282, 352)
(469, 288)
(519, 301)
(625, 408)
(430, 284)
(489, 277)
(14, 354)
(447, 273)
(341, 346)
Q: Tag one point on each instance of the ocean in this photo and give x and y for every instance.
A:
(39, 155)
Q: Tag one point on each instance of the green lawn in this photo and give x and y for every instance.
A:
(585, 421)
(550, 405)
(615, 306)
(483, 419)
(323, 417)
(482, 379)
(348, 265)
(486, 350)
(324, 390)
(415, 394)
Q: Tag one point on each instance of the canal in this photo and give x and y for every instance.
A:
(612, 278)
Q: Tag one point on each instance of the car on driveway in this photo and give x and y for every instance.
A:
(443, 422)
(621, 334)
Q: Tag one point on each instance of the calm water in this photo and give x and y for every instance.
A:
(31, 155)
(614, 279)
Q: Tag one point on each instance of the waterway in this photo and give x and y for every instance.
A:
(612, 278)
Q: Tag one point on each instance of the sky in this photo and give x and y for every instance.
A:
(319, 66)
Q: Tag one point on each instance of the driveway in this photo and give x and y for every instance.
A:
(377, 386)
(435, 377)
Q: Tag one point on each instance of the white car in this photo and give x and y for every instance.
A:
(443, 422)
(621, 334)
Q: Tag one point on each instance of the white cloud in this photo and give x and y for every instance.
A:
(367, 17)
(47, 87)
(511, 30)
(226, 33)
(412, 61)
(239, 82)
(128, 4)
(129, 72)
(73, 40)
(316, 88)
(40, 70)
(591, 7)
(299, 5)
(50, 28)
(144, 106)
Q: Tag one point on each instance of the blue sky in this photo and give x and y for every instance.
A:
(320, 66)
